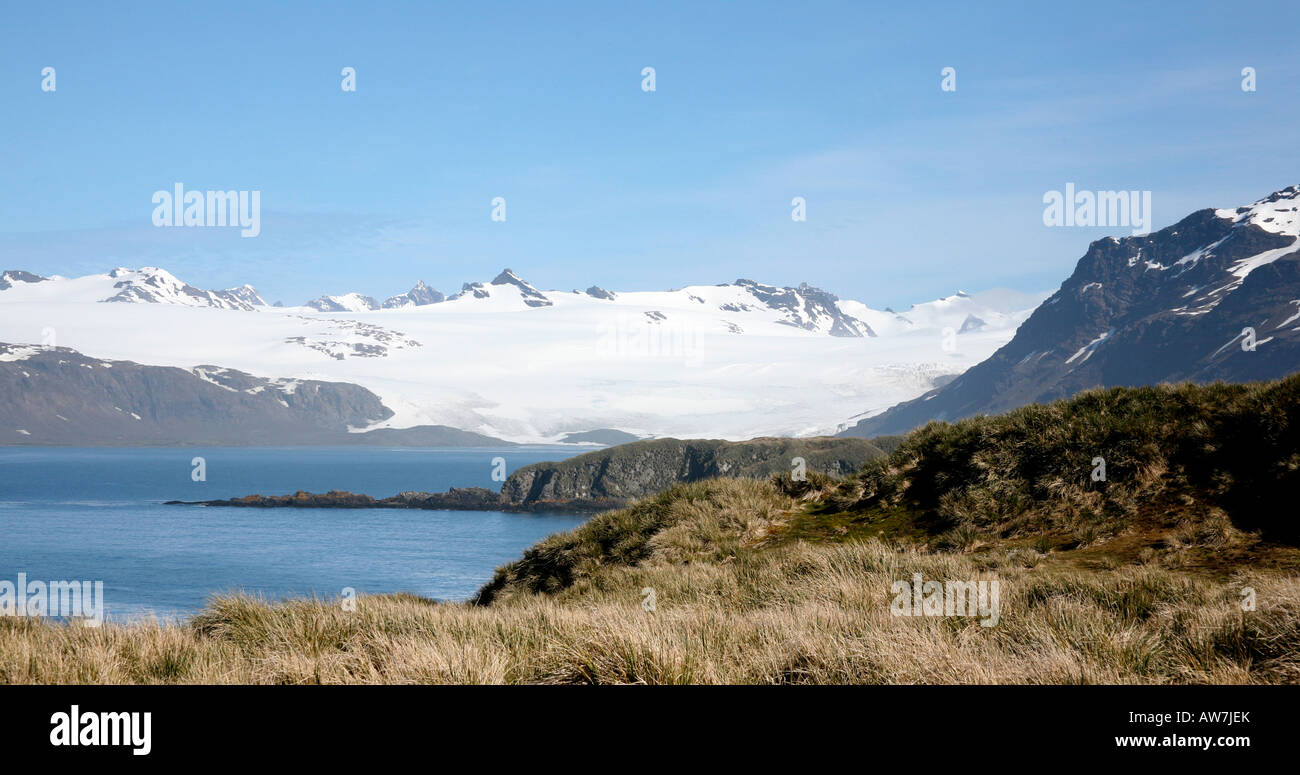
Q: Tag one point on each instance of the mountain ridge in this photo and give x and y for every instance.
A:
(1211, 297)
(58, 396)
(805, 306)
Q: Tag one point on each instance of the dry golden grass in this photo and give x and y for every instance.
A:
(733, 605)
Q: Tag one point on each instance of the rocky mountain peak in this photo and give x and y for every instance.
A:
(419, 295)
(11, 276)
(1213, 296)
(530, 295)
(508, 277)
(807, 307)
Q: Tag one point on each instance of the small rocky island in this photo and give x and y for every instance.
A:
(455, 499)
(605, 479)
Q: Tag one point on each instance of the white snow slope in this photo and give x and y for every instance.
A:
(700, 362)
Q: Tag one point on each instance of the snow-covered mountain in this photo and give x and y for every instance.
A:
(1215, 296)
(7, 279)
(962, 312)
(158, 286)
(348, 302)
(147, 285)
(507, 290)
(806, 307)
(506, 359)
(418, 296)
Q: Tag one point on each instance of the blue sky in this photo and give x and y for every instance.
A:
(912, 192)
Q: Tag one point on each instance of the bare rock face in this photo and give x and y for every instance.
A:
(11, 276)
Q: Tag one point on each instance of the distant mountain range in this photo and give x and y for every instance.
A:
(1216, 296)
(806, 307)
(418, 296)
(151, 286)
(505, 359)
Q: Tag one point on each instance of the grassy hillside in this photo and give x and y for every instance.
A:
(1202, 459)
(1138, 578)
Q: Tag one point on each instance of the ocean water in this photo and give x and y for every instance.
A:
(96, 514)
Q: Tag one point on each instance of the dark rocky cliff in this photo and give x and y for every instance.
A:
(637, 470)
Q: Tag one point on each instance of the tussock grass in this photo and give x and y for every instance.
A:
(1138, 579)
(731, 607)
(1213, 460)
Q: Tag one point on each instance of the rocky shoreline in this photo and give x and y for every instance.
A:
(602, 480)
(455, 499)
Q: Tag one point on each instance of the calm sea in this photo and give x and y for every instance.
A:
(77, 514)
